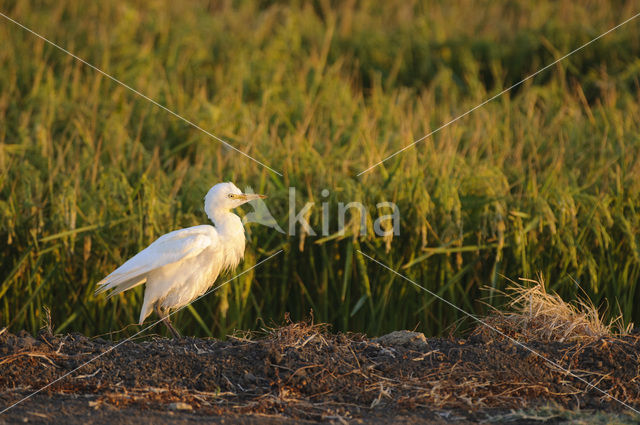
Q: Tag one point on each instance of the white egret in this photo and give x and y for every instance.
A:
(180, 266)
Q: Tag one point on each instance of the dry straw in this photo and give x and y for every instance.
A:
(536, 314)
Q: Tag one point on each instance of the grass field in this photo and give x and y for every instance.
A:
(545, 179)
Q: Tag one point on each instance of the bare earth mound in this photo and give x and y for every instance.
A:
(302, 372)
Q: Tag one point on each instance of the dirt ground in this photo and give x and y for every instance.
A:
(303, 373)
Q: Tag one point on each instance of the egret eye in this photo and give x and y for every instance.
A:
(230, 195)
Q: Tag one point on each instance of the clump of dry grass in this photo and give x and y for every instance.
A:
(542, 316)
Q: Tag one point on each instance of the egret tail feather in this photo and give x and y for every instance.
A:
(120, 286)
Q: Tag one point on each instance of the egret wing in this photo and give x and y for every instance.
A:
(167, 249)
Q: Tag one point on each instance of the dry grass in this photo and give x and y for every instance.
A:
(303, 370)
(536, 314)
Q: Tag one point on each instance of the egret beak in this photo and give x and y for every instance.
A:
(250, 196)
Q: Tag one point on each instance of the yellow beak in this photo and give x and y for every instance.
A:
(251, 196)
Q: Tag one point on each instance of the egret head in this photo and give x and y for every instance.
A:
(226, 196)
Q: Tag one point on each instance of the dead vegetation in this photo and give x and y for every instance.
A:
(533, 314)
(301, 370)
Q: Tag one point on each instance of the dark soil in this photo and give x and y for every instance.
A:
(303, 373)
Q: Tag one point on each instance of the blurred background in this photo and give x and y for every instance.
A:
(543, 180)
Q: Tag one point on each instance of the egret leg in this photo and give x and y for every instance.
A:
(167, 322)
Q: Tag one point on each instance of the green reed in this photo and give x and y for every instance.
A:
(544, 179)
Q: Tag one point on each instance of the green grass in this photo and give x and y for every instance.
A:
(544, 179)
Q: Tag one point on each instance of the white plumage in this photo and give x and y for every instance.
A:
(180, 266)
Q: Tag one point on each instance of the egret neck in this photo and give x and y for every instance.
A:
(229, 227)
